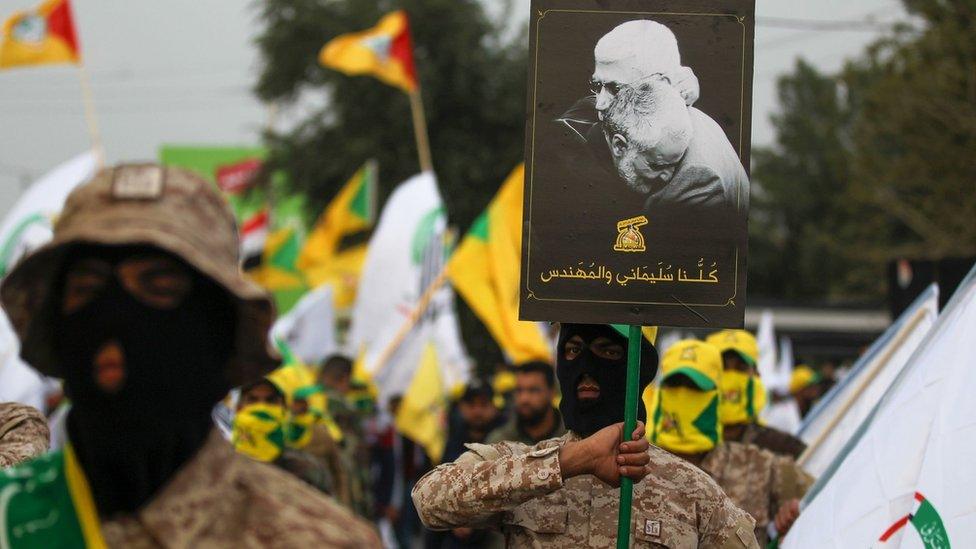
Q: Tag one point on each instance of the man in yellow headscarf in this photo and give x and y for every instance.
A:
(686, 423)
(806, 387)
(260, 431)
(744, 396)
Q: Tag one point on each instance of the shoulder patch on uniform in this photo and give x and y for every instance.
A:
(652, 527)
(137, 182)
(745, 536)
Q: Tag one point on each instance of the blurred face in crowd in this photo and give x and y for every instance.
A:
(731, 360)
(478, 412)
(337, 380)
(262, 393)
(533, 397)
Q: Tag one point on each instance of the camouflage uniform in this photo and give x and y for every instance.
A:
(353, 454)
(519, 490)
(774, 440)
(217, 498)
(224, 499)
(757, 480)
(23, 433)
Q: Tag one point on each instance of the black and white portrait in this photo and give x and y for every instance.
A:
(640, 115)
(636, 155)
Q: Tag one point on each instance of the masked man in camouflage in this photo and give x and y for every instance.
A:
(686, 422)
(563, 492)
(23, 433)
(139, 304)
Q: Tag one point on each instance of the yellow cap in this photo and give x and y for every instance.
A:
(739, 341)
(504, 382)
(699, 361)
(803, 377)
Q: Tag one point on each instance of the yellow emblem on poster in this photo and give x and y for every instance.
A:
(629, 236)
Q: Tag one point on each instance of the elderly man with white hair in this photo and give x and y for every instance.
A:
(674, 154)
(626, 55)
(639, 118)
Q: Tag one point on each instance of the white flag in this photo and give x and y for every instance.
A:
(906, 478)
(28, 226)
(399, 266)
(766, 339)
(309, 327)
(830, 424)
(29, 223)
(783, 414)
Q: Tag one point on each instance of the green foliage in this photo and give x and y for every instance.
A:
(473, 88)
(870, 165)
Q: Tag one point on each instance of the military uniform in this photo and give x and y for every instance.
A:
(23, 433)
(519, 489)
(216, 498)
(774, 440)
(757, 480)
(512, 432)
(353, 454)
(224, 499)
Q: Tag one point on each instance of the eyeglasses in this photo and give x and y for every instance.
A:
(157, 281)
(613, 88)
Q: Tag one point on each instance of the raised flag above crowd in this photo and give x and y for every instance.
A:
(40, 36)
(484, 270)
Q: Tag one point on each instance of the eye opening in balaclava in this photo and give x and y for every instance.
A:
(588, 416)
(131, 440)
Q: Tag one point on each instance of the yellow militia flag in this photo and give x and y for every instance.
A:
(421, 416)
(485, 271)
(352, 210)
(384, 51)
(43, 35)
(277, 271)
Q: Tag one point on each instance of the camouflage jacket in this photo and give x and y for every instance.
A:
(757, 480)
(519, 490)
(774, 440)
(224, 499)
(23, 433)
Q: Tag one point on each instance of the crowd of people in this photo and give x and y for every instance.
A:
(184, 425)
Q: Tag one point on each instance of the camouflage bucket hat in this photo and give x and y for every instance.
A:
(143, 204)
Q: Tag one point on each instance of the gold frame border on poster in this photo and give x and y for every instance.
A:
(535, 93)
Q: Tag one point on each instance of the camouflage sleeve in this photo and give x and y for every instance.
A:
(483, 483)
(789, 481)
(728, 527)
(23, 433)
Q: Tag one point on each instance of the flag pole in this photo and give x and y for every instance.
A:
(91, 118)
(630, 423)
(879, 366)
(411, 321)
(420, 129)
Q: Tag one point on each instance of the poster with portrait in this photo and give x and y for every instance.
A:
(637, 162)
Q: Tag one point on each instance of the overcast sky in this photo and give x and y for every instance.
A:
(180, 71)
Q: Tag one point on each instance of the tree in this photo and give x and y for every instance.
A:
(916, 133)
(872, 164)
(473, 85)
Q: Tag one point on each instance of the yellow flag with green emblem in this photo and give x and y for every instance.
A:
(351, 211)
(485, 271)
(421, 414)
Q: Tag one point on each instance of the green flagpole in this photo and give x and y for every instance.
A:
(630, 423)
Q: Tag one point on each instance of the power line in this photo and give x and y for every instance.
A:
(822, 24)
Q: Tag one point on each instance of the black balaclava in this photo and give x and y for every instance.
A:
(132, 441)
(586, 418)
